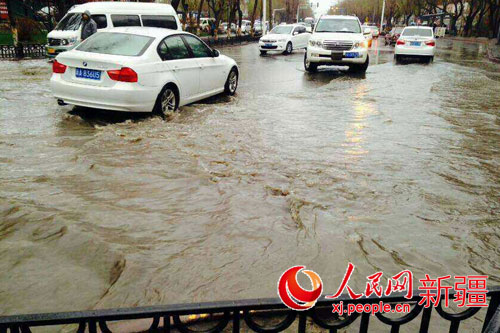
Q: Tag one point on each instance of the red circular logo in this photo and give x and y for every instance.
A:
(293, 295)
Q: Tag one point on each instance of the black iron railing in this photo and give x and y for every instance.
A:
(234, 40)
(22, 51)
(230, 316)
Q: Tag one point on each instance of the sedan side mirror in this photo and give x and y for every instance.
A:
(367, 31)
(295, 33)
(215, 53)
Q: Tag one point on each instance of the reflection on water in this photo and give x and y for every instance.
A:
(394, 169)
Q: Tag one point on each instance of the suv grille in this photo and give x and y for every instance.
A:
(337, 45)
(54, 42)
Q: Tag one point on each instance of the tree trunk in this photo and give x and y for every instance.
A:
(252, 20)
(175, 4)
(12, 21)
(200, 7)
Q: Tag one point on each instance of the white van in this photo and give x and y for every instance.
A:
(66, 34)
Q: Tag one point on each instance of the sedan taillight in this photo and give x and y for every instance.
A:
(124, 74)
(430, 43)
(400, 42)
(58, 68)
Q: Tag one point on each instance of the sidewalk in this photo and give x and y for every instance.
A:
(482, 40)
(494, 51)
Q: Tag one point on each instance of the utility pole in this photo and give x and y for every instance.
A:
(264, 28)
(382, 17)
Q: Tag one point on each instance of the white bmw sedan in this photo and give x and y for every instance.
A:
(415, 41)
(141, 70)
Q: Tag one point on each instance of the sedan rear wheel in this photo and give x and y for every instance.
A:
(167, 101)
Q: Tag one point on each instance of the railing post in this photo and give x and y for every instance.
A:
(494, 306)
(166, 324)
(426, 319)
(302, 322)
(236, 321)
(494, 324)
(19, 51)
(365, 319)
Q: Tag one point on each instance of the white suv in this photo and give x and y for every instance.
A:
(338, 40)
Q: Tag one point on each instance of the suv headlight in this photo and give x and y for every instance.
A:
(363, 43)
(317, 43)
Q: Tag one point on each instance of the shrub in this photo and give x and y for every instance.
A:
(27, 29)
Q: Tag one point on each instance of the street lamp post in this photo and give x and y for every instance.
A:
(382, 17)
(264, 7)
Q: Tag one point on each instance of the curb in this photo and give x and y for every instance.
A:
(492, 58)
(489, 52)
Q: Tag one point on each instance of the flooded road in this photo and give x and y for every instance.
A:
(396, 169)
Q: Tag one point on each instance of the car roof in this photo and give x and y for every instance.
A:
(109, 6)
(417, 27)
(339, 17)
(147, 31)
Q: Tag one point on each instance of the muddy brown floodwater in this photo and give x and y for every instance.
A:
(396, 169)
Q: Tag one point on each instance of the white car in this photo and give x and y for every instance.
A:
(107, 15)
(246, 26)
(415, 41)
(206, 22)
(368, 36)
(284, 38)
(141, 70)
(337, 40)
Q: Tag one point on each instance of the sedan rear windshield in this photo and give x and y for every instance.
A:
(417, 32)
(115, 43)
(338, 25)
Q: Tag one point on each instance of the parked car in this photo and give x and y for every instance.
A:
(374, 30)
(337, 40)
(224, 27)
(107, 15)
(415, 41)
(142, 70)
(284, 38)
(258, 27)
(368, 35)
(206, 23)
(245, 26)
(393, 35)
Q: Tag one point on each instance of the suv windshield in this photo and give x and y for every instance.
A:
(338, 25)
(71, 21)
(282, 30)
(417, 32)
(116, 44)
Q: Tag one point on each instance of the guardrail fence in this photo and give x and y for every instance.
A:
(232, 316)
(22, 51)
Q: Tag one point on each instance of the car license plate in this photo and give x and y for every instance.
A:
(352, 54)
(414, 43)
(269, 45)
(51, 51)
(88, 74)
(337, 55)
